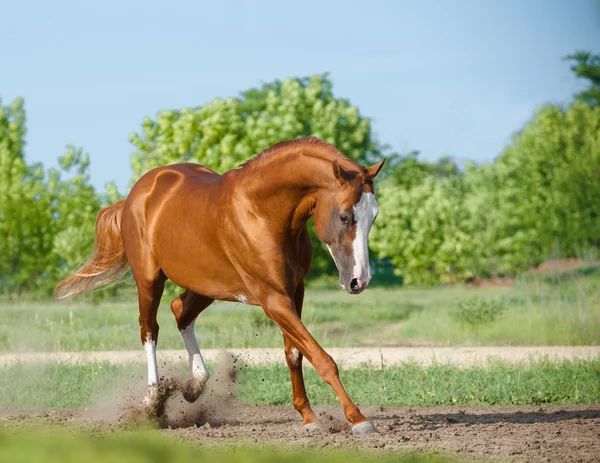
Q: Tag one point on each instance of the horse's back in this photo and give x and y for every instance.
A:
(162, 183)
(169, 176)
(169, 190)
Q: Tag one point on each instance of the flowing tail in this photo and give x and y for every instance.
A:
(108, 263)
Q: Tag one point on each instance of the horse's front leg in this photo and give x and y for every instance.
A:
(293, 358)
(186, 308)
(281, 310)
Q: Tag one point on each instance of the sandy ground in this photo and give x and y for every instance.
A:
(345, 357)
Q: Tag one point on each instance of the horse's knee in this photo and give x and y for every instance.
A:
(293, 357)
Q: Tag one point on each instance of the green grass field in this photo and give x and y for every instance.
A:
(543, 383)
(558, 309)
(70, 445)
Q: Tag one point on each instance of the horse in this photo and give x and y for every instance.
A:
(242, 237)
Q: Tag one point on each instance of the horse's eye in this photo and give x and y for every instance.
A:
(345, 220)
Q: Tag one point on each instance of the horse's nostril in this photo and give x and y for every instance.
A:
(354, 284)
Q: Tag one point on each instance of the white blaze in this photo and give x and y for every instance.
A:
(335, 262)
(365, 212)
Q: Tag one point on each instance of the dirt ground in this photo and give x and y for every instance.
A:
(561, 434)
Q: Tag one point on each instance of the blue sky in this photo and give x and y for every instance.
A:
(450, 77)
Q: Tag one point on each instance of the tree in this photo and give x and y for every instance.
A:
(422, 230)
(24, 213)
(46, 219)
(223, 134)
(539, 199)
(587, 66)
(550, 179)
(75, 206)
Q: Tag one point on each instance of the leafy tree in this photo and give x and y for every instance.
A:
(422, 230)
(539, 199)
(75, 205)
(223, 134)
(550, 182)
(587, 66)
(25, 217)
(408, 170)
(46, 220)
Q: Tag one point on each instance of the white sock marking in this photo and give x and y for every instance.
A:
(365, 212)
(295, 354)
(150, 348)
(198, 369)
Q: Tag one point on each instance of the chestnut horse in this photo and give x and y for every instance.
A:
(240, 236)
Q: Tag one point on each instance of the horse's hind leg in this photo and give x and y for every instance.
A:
(149, 293)
(186, 308)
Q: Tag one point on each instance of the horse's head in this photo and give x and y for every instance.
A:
(343, 220)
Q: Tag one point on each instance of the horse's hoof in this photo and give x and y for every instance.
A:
(192, 390)
(151, 396)
(365, 428)
(313, 428)
(150, 401)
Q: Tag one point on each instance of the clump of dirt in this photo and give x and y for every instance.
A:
(332, 424)
(125, 406)
(212, 406)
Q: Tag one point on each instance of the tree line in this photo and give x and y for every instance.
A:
(539, 198)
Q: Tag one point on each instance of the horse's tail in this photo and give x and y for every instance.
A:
(108, 263)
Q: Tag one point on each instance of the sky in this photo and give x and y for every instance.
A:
(446, 77)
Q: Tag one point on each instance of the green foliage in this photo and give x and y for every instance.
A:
(540, 198)
(420, 229)
(224, 133)
(548, 194)
(587, 66)
(46, 218)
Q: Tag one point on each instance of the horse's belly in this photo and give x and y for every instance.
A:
(207, 274)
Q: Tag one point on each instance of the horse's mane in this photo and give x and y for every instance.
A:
(284, 146)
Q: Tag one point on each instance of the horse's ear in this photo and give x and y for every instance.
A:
(339, 173)
(375, 168)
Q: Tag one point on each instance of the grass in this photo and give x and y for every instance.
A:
(69, 445)
(554, 309)
(542, 383)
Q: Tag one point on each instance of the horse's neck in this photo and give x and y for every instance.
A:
(285, 189)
